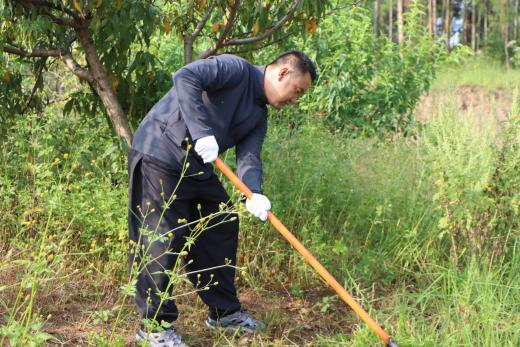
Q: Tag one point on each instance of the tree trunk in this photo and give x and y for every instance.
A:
(391, 21)
(486, 14)
(188, 50)
(515, 21)
(473, 25)
(434, 18)
(505, 29)
(447, 22)
(400, 22)
(464, 13)
(377, 16)
(478, 31)
(430, 15)
(103, 87)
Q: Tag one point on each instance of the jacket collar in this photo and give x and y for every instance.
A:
(260, 97)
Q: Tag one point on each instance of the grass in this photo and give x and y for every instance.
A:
(420, 230)
(477, 71)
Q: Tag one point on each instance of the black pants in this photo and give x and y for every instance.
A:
(150, 185)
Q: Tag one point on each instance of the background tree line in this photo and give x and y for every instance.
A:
(489, 25)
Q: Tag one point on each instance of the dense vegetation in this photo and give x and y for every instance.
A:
(418, 221)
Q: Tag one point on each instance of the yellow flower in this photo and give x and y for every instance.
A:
(170, 234)
(181, 220)
(74, 165)
(65, 155)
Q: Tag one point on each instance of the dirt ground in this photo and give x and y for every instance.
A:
(291, 321)
(480, 103)
(70, 309)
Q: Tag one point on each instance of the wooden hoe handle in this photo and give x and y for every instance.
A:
(309, 257)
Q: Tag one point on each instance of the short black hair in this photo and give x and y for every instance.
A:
(299, 60)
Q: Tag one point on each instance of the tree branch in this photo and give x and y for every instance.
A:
(260, 47)
(35, 87)
(339, 8)
(76, 69)
(225, 32)
(35, 53)
(86, 7)
(275, 28)
(48, 4)
(61, 21)
(202, 22)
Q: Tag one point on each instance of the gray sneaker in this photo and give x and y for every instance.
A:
(239, 320)
(167, 338)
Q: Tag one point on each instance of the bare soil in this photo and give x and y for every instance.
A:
(481, 103)
(69, 309)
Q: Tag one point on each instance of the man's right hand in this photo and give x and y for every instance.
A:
(207, 148)
(258, 205)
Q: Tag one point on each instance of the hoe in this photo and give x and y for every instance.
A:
(310, 259)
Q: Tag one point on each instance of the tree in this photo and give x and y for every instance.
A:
(106, 43)
(504, 28)
(447, 21)
(473, 25)
(390, 21)
(434, 18)
(91, 38)
(377, 16)
(430, 16)
(240, 26)
(515, 20)
(400, 22)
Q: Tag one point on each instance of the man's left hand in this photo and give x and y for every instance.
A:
(258, 205)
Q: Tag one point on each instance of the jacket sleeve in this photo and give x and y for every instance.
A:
(249, 165)
(209, 74)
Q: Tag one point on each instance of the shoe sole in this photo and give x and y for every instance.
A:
(231, 328)
(141, 340)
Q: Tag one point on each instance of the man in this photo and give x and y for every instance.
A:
(214, 104)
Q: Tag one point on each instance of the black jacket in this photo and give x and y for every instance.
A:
(221, 96)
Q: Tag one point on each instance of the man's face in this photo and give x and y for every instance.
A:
(286, 86)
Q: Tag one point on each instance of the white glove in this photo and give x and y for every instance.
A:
(207, 148)
(258, 205)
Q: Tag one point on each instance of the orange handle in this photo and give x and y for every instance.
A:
(307, 255)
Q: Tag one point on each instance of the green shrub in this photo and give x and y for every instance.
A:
(369, 84)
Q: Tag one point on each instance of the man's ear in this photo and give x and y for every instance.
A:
(284, 71)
